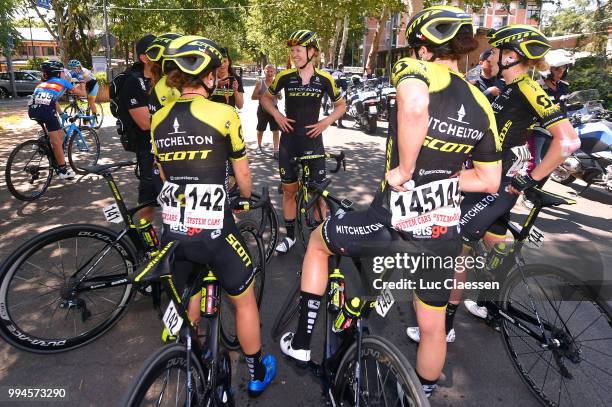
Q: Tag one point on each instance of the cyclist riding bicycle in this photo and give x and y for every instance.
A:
(521, 103)
(192, 140)
(44, 107)
(85, 76)
(301, 129)
(439, 119)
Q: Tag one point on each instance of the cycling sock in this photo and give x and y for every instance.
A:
(290, 226)
(309, 309)
(428, 385)
(62, 169)
(257, 370)
(451, 309)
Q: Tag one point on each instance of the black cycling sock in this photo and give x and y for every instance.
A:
(62, 169)
(290, 226)
(309, 309)
(428, 385)
(451, 309)
(257, 370)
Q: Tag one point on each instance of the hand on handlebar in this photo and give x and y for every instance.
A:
(283, 122)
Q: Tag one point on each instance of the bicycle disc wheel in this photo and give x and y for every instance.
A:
(578, 370)
(28, 171)
(227, 317)
(307, 220)
(83, 149)
(162, 381)
(386, 376)
(45, 305)
(288, 311)
(269, 234)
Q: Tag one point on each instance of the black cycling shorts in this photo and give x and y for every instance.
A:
(45, 114)
(298, 144)
(346, 234)
(146, 187)
(264, 118)
(481, 213)
(223, 250)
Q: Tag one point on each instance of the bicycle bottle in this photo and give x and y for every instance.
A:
(336, 291)
(209, 304)
(150, 236)
(497, 255)
(350, 312)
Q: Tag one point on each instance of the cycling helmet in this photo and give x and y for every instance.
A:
(192, 54)
(52, 69)
(155, 51)
(557, 58)
(74, 63)
(305, 38)
(525, 40)
(436, 25)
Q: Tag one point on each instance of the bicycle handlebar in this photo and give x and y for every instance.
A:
(340, 160)
(247, 204)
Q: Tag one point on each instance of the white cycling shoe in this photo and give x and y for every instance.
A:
(69, 174)
(300, 356)
(414, 333)
(285, 245)
(475, 309)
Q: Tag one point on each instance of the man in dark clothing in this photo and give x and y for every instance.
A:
(488, 82)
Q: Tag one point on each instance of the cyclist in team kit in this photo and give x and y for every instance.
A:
(439, 119)
(302, 131)
(87, 78)
(192, 139)
(44, 107)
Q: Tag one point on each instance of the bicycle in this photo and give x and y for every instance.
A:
(532, 323)
(30, 166)
(69, 285)
(354, 357)
(80, 106)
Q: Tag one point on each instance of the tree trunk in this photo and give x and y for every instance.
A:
(380, 28)
(414, 6)
(345, 32)
(334, 41)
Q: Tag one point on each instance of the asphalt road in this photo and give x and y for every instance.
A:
(477, 372)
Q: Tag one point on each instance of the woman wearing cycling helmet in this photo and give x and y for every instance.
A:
(439, 119)
(161, 94)
(192, 139)
(517, 108)
(85, 76)
(44, 107)
(304, 87)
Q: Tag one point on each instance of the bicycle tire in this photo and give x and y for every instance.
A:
(288, 311)
(269, 235)
(20, 277)
(306, 220)
(396, 363)
(563, 330)
(163, 361)
(83, 149)
(227, 321)
(11, 178)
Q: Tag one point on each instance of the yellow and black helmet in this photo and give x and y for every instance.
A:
(525, 40)
(436, 25)
(192, 54)
(305, 38)
(158, 46)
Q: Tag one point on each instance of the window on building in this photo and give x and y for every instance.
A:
(533, 10)
(504, 20)
(49, 51)
(478, 20)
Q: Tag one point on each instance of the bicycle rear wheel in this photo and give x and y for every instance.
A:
(28, 171)
(288, 311)
(227, 317)
(46, 306)
(83, 149)
(578, 370)
(162, 381)
(386, 376)
(269, 235)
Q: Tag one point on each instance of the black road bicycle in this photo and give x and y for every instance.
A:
(69, 285)
(358, 368)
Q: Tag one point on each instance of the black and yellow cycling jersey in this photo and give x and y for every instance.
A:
(303, 101)
(193, 138)
(461, 123)
(521, 104)
(226, 93)
(161, 95)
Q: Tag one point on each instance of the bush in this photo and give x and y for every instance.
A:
(593, 73)
(101, 78)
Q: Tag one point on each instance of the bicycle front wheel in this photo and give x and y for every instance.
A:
(386, 377)
(99, 115)
(83, 149)
(65, 288)
(28, 171)
(576, 367)
(162, 381)
(269, 234)
(227, 318)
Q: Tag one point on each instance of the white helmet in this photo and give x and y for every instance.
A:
(557, 58)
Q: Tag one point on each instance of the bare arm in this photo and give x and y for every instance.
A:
(243, 177)
(256, 95)
(239, 99)
(484, 177)
(141, 117)
(565, 141)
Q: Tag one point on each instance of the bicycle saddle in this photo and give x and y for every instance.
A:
(158, 266)
(100, 168)
(544, 198)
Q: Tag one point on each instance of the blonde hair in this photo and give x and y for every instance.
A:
(539, 64)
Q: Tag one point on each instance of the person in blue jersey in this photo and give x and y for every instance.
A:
(44, 108)
(87, 78)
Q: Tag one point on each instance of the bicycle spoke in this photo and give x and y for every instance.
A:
(590, 325)
(37, 282)
(591, 382)
(28, 299)
(574, 311)
(546, 374)
(46, 270)
(596, 367)
(567, 390)
(596, 350)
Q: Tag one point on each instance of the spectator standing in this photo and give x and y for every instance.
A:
(263, 117)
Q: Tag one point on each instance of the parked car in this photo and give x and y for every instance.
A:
(25, 82)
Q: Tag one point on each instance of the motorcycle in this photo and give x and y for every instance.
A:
(387, 100)
(362, 105)
(592, 163)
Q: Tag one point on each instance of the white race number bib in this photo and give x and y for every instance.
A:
(520, 158)
(204, 206)
(171, 207)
